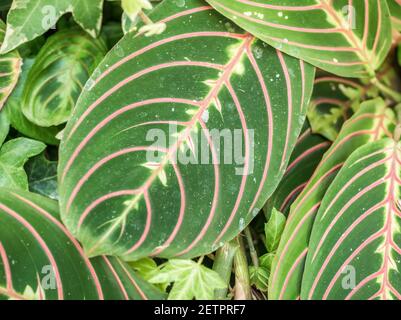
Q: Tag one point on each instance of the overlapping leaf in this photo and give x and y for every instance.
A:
(307, 155)
(346, 38)
(10, 69)
(118, 195)
(39, 259)
(371, 122)
(334, 100)
(29, 19)
(395, 10)
(17, 119)
(58, 75)
(356, 239)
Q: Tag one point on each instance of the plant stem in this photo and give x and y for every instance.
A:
(145, 18)
(223, 265)
(386, 90)
(242, 282)
(252, 250)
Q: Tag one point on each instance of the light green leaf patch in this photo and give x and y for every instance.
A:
(274, 229)
(191, 280)
(259, 277)
(28, 19)
(13, 156)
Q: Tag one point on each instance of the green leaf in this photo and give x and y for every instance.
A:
(274, 229)
(335, 99)
(42, 176)
(147, 268)
(58, 75)
(10, 69)
(29, 19)
(350, 41)
(18, 121)
(354, 251)
(266, 260)
(371, 122)
(305, 158)
(13, 155)
(39, 258)
(4, 127)
(259, 277)
(197, 75)
(191, 280)
(395, 10)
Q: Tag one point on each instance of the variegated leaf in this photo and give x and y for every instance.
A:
(371, 122)
(28, 19)
(347, 38)
(58, 75)
(10, 69)
(39, 258)
(121, 189)
(355, 247)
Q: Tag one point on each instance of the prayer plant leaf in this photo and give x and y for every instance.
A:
(371, 122)
(354, 251)
(18, 121)
(58, 75)
(305, 158)
(39, 258)
(133, 186)
(350, 39)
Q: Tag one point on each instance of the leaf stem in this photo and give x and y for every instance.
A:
(252, 250)
(223, 265)
(242, 282)
(386, 90)
(145, 18)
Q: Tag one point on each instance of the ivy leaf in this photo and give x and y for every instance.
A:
(191, 280)
(31, 18)
(13, 156)
(42, 176)
(273, 229)
(146, 268)
(259, 277)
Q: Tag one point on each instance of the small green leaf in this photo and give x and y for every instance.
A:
(259, 277)
(42, 176)
(266, 260)
(13, 156)
(191, 280)
(273, 229)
